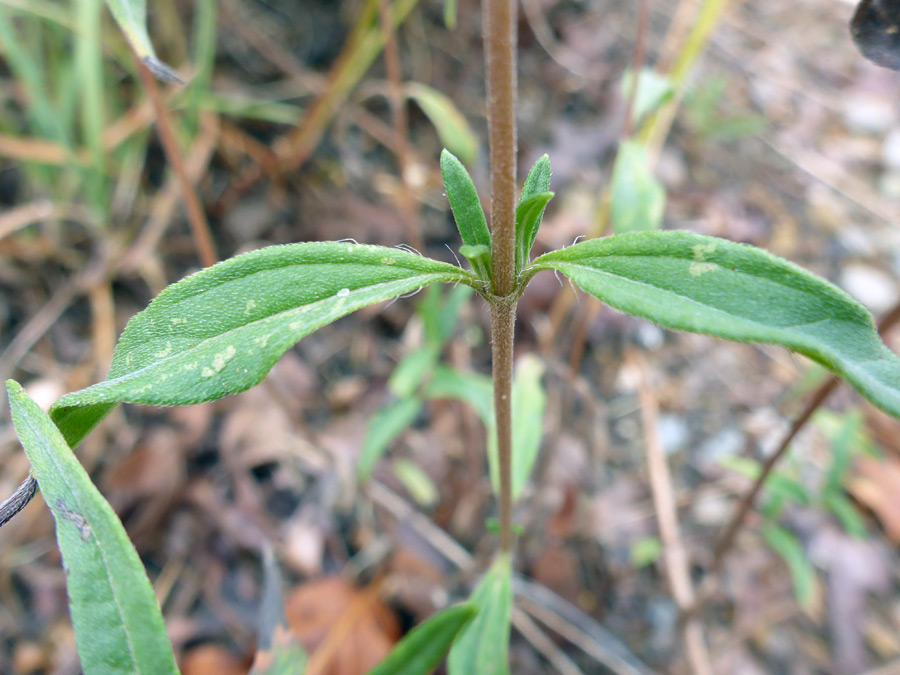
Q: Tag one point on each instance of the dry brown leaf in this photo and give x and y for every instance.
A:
(876, 485)
(352, 625)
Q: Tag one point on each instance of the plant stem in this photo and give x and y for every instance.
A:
(500, 57)
(499, 17)
(503, 320)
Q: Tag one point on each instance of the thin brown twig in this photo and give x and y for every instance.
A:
(677, 567)
(726, 540)
(203, 241)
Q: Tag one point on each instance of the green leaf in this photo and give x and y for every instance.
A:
(654, 89)
(118, 625)
(846, 512)
(638, 199)
(479, 258)
(528, 403)
(785, 544)
(131, 15)
(702, 284)
(219, 331)
(412, 371)
(464, 202)
(452, 128)
(384, 427)
(529, 214)
(645, 551)
(421, 651)
(450, 14)
(481, 648)
(472, 388)
(416, 482)
(440, 312)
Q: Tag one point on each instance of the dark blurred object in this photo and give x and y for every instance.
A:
(876, 31)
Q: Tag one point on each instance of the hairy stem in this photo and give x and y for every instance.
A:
(499, 18)
(503, 319)
(500, 57)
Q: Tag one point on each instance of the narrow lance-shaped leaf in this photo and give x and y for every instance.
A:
(118, 625)
(481, 648)
(131, 15)
(421, 651)
(384, 427)
(466, 207)
(219, 331)
(707, 285)
(530, 211)
(452, 128)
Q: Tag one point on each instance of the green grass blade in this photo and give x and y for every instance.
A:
(452, 128)
(118, 625)
(219, 331)
(702, 284)
(803, 575)
(384, 427)
(131, 15)
(482, 646)
(421, 651)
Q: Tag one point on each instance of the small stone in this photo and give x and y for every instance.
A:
(869, 113)
(890, 149)
(872, 287)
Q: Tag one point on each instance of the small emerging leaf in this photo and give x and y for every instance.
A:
(464, 202)
(530, 211)
(691, 282)
(219, 331)
(118, 625)
(421, 651)
(638, 198)
(481, 648)
(452, 128)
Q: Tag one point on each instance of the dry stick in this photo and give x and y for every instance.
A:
(726, 541)
(206, 249)
(664, 504)
(499, 18)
